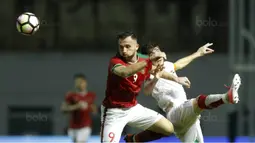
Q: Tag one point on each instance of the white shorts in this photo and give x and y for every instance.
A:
(80, 135)
(113, 120)
(182, 117)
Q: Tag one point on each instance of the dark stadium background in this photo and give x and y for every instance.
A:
(80, 36)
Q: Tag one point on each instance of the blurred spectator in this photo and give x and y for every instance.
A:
(80, 103)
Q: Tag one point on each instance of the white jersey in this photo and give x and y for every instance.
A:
(168, 92)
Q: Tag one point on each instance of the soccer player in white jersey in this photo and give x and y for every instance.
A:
(171, 97)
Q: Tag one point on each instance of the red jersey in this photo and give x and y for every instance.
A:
(122, 92)
(80, 118)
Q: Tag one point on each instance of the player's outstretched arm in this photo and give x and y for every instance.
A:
(126, 71)
(204, 50)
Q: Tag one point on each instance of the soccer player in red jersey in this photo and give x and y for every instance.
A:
(126, 74)
(80, 104)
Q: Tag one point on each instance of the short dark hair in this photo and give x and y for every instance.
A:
(124, 35)
(148, 48)
(79, 75)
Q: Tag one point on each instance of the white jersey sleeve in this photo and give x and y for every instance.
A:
(169, 67)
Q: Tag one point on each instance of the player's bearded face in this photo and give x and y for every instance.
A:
(80, 84)
(128, 47)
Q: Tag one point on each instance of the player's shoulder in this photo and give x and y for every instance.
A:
(115, 59)
(169, 66)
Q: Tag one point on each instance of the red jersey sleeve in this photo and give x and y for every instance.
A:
(70, 98)
(115, 62)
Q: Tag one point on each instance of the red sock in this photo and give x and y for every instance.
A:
(210, 101)
(146, 136)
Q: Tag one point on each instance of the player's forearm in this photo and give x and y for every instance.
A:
(132, 69)
(169, 76)
(181, 63)
(150, 85)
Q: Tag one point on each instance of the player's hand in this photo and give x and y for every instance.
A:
(83, 105)
(184, 81)
(204, 50)
(157, 72)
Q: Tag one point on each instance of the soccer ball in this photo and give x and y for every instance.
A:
(27, 23)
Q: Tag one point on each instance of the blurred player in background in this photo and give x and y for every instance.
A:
(126, 74)
(171, 97)
(80, 104)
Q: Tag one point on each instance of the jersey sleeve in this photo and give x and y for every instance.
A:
(169, 66)
(115, 62)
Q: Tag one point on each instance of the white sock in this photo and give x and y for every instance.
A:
(215, 97)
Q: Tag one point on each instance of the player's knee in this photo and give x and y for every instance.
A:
(169, 130)
(168, 126)
(163, 126)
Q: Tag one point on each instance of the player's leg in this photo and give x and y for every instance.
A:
(200, 136)
(190, 136)
(193, 134)
(184, 115)
(184, 119)
(73, 134)
(112, 123)
(214, 100)
(155, 126)
(83, 135)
